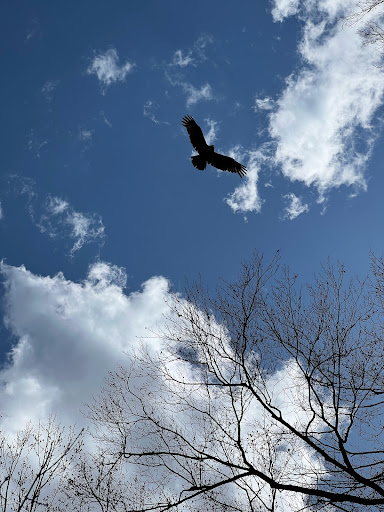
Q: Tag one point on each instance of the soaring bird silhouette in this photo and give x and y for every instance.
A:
(207, 153)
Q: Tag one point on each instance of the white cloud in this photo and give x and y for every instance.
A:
(84, 229)
(85, 135)
(1, 211)
(201, 44)
(35, 143)
(210, 137)
(192, 56)
(55, 205)
(48, 89)
(284, 8)
(323, 122)
(57, 218)
(148, 111)
(108, 123)
(263, 104)
(245, 197)
(105, 66)
(294, 207)
(68, 336)
(194, 95)
(180, 60)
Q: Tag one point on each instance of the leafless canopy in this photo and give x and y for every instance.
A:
(368, 18)
(265, 395)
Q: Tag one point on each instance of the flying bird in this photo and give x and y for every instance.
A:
(207, 153)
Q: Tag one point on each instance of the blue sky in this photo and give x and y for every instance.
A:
(95, 171)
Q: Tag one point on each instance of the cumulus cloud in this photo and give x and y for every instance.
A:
(68, 336)
(57, 218)
(322, 124)
(294, 207)
(245, 197)
(105, 67)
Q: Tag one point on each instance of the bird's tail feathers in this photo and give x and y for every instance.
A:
(199, 162)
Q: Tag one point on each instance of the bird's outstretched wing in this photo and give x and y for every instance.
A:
(195, 134)
(226, 163)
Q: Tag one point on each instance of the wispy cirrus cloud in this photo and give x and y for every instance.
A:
(190, 57)
(149, 109)
(35, 143)
(193, 94)
(60, 219)
(85, 135)
(194, 55)
(56, 217)
(263, 104)
(182, 60)
(294, 206)
(48, 90)
(105, 66)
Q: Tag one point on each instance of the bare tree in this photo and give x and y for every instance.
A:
(33, 464)
(369, 17)
(264, 396)
(96, 485)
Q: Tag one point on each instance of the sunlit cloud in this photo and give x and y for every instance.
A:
(56, 217)
(294, 207)
(68, 336)
(59, 219)
(284, 8)
(105, 67)
(210, 136)
(323, 121)
(263, 104)
(246, 198)
(195, 95)
(85, 135)
(182, 60)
